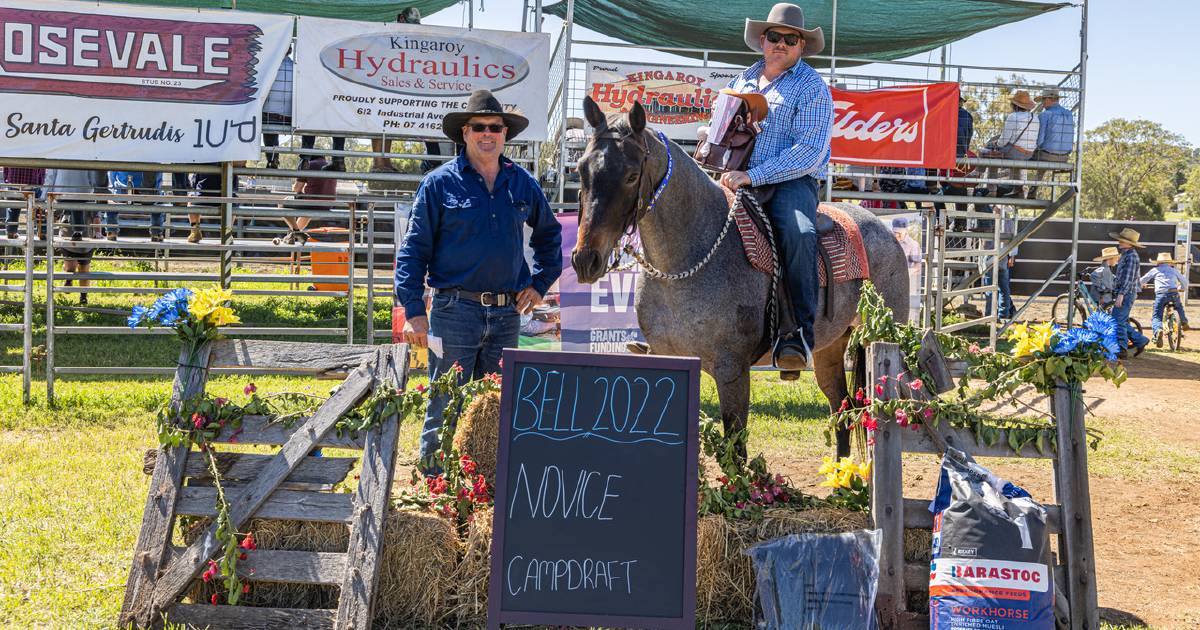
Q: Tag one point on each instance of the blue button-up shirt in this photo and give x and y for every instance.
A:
(463, 236)
(1128, 274)
(794, 141)
(1056, 133)
(1166, 278)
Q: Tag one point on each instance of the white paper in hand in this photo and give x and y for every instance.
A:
(435, 345)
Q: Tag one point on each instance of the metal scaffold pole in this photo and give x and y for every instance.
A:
(1083, 64)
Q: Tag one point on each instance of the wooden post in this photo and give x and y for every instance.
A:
(932, 359)
(371, 501)
(1071, 481)
(887, 488)
(150, 554)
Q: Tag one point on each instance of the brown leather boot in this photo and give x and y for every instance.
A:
(195, 235)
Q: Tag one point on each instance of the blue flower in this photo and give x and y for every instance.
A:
(168, 309)
(1068, 341)
(136, 317)
(1102, 323)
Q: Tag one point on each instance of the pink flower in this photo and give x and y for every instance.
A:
(421, 387)
(845, 405)
(457, 368)
(245, 589)
(213, 599)
(249, 389)
(248, 542)
(871, 441)
(902, 417)
(198, 420)
(492, 377)
(878, 390)
(869, 423)
(221, 402)
(973, 348)
(778, 478)
(928, 413)
(741, 505)
(883, 379)
(860, 396)
(989, 350)
(916, 384)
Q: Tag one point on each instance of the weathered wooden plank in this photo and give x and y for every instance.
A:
(287, 505)
(158, 515)
(260, 430)
(932, 360)
(916, 576)
(290, 356)
(356, 602)
(291, 567)
(248, 618)
(176, 577)
(239, 467)
(1071, 480)
(964, 440)
(917, 515)
(887, 474)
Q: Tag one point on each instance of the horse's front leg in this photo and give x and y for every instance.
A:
(733, 389)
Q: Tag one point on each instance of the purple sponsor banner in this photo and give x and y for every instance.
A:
(597, 317)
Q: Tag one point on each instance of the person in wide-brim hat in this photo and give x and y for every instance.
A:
(1021, 99)
(1165, 257)
(482, 103)
(1129, 236)
(785, 15)
(1108, 253)
(1049, 92)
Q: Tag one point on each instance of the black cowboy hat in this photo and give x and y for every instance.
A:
(482, 103)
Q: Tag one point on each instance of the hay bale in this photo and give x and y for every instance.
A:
(724, 575)
(478, 433)
(420, 553)
(468, 603)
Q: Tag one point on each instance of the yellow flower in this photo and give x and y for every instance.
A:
(845, 478)
(223, 316)
(864, 470)
(1043, 336)
(830, 481)
(827, 466)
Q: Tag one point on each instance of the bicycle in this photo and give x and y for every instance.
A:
(1172, 328)
(1083, 308)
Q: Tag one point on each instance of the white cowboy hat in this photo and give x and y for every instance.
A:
(785, 15)
(1128, 235)
(1049, 92)
(1165, 257)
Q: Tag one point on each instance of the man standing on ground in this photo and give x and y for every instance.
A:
(912, 255)
(1128, 281)
(309, 188)
(466, 233)
(792, 152)
(1056, 134)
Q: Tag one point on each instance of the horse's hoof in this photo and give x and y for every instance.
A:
(637, 347)
(789, 375)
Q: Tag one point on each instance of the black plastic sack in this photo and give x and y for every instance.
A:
(817, 581)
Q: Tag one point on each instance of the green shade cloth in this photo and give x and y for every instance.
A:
(366, 10)
(874, 29)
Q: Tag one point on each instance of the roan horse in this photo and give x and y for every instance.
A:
(718, 312)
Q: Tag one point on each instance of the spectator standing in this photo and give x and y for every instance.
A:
(309, 188)
(20, 179)
(67, 181)
(130, 183)
(466, 235)
(1125, 289)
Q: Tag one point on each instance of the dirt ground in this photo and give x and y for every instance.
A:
(1146, 519)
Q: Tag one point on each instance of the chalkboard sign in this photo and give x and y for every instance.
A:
(596, 491)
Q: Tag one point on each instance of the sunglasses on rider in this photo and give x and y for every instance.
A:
(791, 39)
(493, 127)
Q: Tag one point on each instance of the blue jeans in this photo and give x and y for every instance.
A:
(1160, 305)
(12, 217)
(112, 224)
(1007, 309)
(1125, 332)
(473, 336)
(793, 213)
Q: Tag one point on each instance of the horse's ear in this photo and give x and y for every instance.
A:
(637, 118)
(592, 112)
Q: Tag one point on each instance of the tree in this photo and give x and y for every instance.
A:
(1129, 169)
(1191, 191)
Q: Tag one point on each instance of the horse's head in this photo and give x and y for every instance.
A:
(613, 185)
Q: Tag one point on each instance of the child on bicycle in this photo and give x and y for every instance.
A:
(1101, 281)
(1167, 284)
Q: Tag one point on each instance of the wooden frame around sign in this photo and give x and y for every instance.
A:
(687, 621)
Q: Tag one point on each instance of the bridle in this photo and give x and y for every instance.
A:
(642, 207)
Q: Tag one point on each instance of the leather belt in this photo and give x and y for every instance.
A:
(485, 298)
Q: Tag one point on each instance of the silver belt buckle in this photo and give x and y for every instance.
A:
(483, 298)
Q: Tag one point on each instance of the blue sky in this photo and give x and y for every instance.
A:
(1144, 57)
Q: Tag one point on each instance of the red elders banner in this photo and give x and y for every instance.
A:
(905, 126)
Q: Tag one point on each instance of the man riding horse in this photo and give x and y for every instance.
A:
(792, 154)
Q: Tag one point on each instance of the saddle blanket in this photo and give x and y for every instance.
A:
(842, 246)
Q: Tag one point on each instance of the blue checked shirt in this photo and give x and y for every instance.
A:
(794, 141)
(1056, 132)
(1128, 274)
